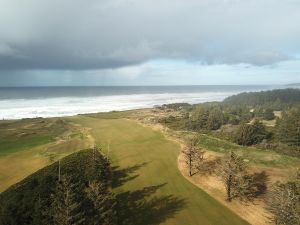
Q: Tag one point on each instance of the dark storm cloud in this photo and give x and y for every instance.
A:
(96, 34)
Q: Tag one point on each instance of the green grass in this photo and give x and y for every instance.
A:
(112, 115)
(11, 145)
(255, 156)
(20, 202)
(151, 161)
(26, 134)
(146, 158)
(29, 145)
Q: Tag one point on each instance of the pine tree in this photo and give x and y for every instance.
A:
(1, 215)
(199, 118)
(268, 114)
(65, 208)
(232, 172)
(249, 134)
(284, 202)
(288, 128)
(215, 119)
(103, 202)
(41, 212)
(191, 155)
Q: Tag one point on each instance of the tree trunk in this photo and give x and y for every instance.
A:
(229, 188)
(190, 165)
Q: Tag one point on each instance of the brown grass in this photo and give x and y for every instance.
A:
(253, 212)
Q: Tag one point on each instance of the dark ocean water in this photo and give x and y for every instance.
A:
(28, 102)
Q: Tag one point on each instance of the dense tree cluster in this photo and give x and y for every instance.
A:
(251, 119)
(103, 211)
(74, 191)
(249, 134)
(207, 117)
(65, 208)
(241, 114)
(275, 98)
(288, 127)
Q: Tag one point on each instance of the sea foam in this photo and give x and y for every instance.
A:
(68, 106)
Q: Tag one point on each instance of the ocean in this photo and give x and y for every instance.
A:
(30, 102)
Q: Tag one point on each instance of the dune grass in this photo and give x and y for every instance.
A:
(255, 156)
(150, 162)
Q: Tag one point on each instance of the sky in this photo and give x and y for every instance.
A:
(149, 42)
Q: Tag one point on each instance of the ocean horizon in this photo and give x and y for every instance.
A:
(31, 102)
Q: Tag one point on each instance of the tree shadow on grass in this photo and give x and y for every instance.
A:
(140, 207)
(144, 206)
(120, 176)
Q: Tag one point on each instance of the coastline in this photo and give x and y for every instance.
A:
(47, 102)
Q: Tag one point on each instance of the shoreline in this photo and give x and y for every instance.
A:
(52, 103)
(147, 117)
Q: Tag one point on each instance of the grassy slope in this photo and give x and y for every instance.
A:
(19, 202)
(20, 155)
(26, 134)
(152, 159)
(155, 160)
(255, 156)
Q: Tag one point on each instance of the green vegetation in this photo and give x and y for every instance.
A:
(255, 156)
(233, 173)
(278, 99)
(269, 114)
(284, 201)
(250, 134)
(28, 133)
(251, 111)
(147, 186)
(151, 164)
(289, 127)
(104, 204)
(193, 156)
(18, 161)
(143, 197)
(44, 198)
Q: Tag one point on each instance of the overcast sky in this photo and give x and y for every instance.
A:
(149, 42)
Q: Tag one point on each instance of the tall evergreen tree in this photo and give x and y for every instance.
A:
(215, 119)
(199, 118)
(232, 172)
(1, 215)
(103, 204)
(284, 202)
(249, 134)
(191, 155)
(288, 128)
(65, 207)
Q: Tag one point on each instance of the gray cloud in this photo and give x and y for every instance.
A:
(96, 34)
